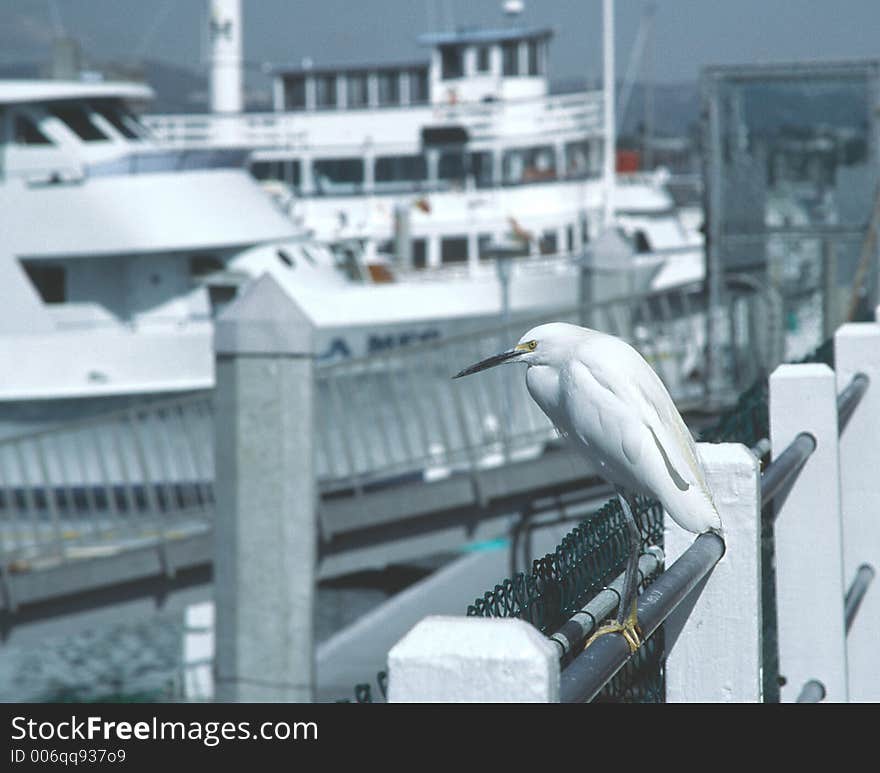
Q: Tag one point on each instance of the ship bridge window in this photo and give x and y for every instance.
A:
(419, 253)
(78, 121)
(48, 280)
(202, 265)
(480, 168)
(510, 58)
(338, 175)
(525, 165)
(450, 166)
(451, 62)
(295, 92)
(534, 57)
(389, 88)
(454, 249)
(118, 118)
(483, 59)
(418, 86)
(26, 132)
(284, 170)
(391, 170)
(357, 89)
(325, 91)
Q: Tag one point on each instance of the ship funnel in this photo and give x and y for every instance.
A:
(224, 32)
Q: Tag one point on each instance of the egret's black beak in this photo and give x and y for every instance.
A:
(489, 362)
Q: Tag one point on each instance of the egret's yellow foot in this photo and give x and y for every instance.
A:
(629, 629)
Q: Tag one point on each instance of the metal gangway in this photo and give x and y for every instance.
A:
(396, 441)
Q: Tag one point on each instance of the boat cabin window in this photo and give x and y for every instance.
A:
(510, 58)
(525, 165)
(548, 244)
(480, 168)
(389, 88)
(357, 89)
(642, 243)
(125, 123)
(295, 92)
(400, 169)
(338, 175)
(284, 170)
(484, 246)
(418, 86)
(483, 61)
(325, 91)
(454, 249)
(26, 132)
(451, 62)
(202, 265)
(450, 166)
(419, 253)
(78, 121)
(534, 57)
(48, 280)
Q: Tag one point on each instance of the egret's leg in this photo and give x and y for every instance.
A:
(627, 624)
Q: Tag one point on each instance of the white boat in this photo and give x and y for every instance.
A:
(120, 246)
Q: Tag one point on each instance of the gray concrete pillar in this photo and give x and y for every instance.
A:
(265, 532)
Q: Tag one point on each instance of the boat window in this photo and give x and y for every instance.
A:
(111, 113)
(454, 249)
(49, 281)
(480, 168)
(450, 166)
(325, 91)
(389, 88)
(295, 92)
(357, 89)
(525, 165)
(534, 57)
(577, 160)
(202, 265)
(451, 62)
(419, 253)
(26, 132)
(484, 246)
(510, 58)
(418, 86)
(288, 171)
(642, 243)
(338, 175)
(483, 59)
(77, 120)
(401, 169)
(548, 244)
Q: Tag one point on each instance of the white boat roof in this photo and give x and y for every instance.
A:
(22, 90)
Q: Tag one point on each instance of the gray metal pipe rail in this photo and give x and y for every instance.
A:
(590, 671)
(849, 398)
(812, 692)
(785, 467)
(856, 592)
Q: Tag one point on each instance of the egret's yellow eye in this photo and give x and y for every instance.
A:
(532, 345)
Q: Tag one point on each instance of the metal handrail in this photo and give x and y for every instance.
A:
(785, 467)
(849, 399)
(856, 592)
(588, 673)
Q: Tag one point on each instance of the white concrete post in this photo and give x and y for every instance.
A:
(808, 545)
(473, 660)
(265, 530)
(713, 639)
(857, 349)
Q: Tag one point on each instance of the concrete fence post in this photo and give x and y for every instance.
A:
(265, 531)
(713, 639)
(808, 542)
(473, 660)
(857, 349)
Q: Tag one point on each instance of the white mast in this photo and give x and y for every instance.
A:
(224, 31)
(610, 155)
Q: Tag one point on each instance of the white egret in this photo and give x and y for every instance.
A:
(600, 392)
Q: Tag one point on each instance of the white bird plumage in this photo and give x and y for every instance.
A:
(600, 392)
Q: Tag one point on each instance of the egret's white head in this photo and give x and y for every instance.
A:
(547, 344)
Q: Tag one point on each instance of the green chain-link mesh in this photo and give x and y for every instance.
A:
(594, 553)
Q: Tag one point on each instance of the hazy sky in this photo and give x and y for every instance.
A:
(688, 33)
